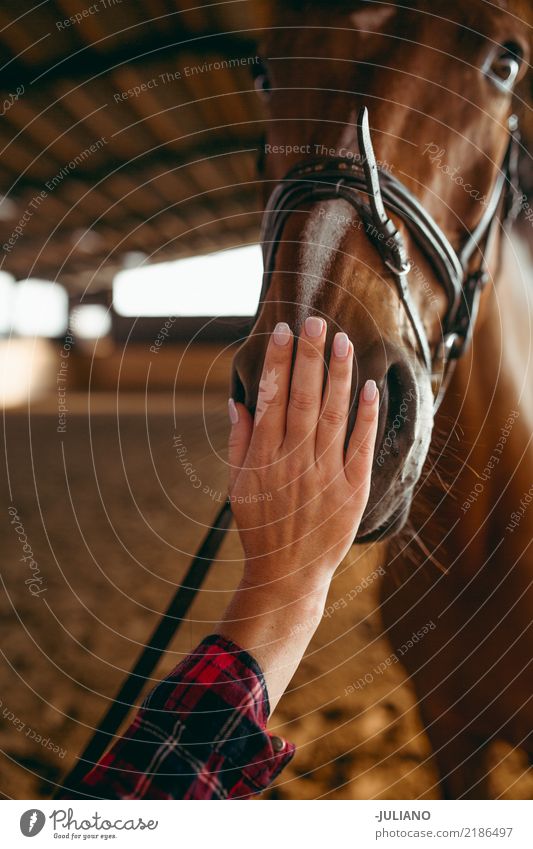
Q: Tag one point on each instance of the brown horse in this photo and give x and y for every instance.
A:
(440, 80)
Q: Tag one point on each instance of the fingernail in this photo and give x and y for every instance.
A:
(370, 391)
(313, 326)
(341, 345)
(233, 411)
(282, 333)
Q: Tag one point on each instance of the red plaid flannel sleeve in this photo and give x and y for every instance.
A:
(200, 734)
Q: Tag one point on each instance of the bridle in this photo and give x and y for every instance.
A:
(374, 192)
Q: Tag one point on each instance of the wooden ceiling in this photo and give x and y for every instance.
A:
(126, 127)
(129, 127)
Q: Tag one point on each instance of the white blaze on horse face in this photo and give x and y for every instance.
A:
(373, 17)
(324, 231)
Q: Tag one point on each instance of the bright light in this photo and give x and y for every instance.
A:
(8, 209)
(7, 288)
(222, 283)
(40, 308)
(28, 369)
(90, 321)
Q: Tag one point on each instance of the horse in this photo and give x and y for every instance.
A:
(391, 152)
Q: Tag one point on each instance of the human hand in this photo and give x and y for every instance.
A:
(297, 496)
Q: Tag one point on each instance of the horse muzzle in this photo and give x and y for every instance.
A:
(400, 450)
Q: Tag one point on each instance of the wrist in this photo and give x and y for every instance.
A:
(271, 614)
(291, 596)
(286, 580)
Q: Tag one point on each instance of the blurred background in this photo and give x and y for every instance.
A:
(129, 219)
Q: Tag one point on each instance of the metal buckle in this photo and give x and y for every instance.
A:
(404, 269)
(448, 352)
(450, 348)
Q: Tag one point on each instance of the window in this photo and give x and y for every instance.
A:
(38, 308)
(225, 283)
(90, 321)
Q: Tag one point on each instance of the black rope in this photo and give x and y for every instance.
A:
(150, 655)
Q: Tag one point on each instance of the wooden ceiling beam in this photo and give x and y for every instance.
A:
(134, 235)
(153, 162)
(87, 63)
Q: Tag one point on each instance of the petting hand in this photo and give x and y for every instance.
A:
(297, 496)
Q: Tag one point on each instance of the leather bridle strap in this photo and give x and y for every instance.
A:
(374, 193)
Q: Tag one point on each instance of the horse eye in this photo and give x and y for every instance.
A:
(262, 84)
(262, 79)
(505, 66)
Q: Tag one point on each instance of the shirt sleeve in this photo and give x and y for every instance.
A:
(200, 734)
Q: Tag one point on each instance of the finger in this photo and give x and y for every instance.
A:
(331, 429)
(360, 452)
(306, 386)
(271, 408)
(239, 439)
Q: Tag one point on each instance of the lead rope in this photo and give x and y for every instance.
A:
(147, 661)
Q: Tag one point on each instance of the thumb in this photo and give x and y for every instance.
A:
(239, 438)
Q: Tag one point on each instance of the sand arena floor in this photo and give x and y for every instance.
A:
(112, 521)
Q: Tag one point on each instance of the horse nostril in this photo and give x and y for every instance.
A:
(400, 418)
(238, 392)
(244, 386)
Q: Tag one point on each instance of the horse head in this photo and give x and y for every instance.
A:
(439, 82)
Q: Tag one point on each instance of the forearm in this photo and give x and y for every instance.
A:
(274, 623)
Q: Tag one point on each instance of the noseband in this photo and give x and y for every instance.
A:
(374, 193)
